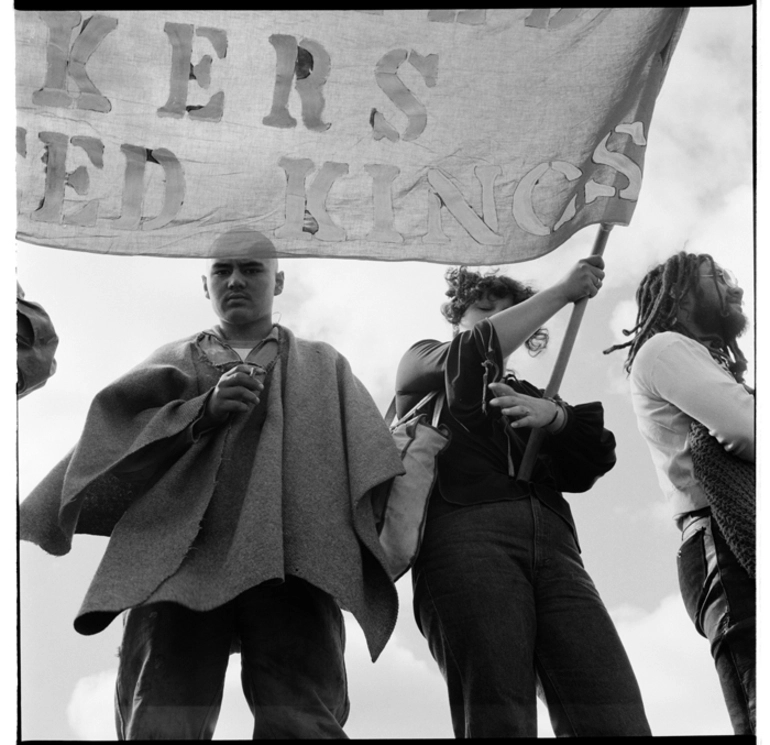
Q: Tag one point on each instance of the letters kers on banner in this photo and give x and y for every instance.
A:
(474, 136)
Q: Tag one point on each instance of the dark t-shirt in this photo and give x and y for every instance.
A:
(484, 455)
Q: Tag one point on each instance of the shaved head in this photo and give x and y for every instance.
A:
(241, 280)
(242, 243)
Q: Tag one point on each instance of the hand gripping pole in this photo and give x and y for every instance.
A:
(537, 435)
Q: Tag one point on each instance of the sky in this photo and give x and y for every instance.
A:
(111, 312)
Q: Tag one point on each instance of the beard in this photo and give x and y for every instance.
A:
(729, 326)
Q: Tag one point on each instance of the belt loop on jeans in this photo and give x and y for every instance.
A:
(694, 521)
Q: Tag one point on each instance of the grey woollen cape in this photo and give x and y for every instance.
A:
(323, 452)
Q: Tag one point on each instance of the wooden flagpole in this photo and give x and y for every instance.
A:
(537, 435)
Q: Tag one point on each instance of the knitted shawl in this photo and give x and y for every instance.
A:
(323, 450)
(730, 486)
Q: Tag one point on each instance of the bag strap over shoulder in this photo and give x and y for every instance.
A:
(390, 417)
(437, 408)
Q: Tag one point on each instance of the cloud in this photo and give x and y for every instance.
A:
(90, 711)
(698, 161)
(675, 671)
(372, 312)
(400, 696)
(623, 317)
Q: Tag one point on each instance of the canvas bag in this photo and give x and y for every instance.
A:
(730, 486)
(419, 444)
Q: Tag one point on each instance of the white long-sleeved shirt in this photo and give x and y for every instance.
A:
(674, 380)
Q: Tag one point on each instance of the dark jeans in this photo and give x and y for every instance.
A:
(506, 605)
(720, 598)
(173, 662)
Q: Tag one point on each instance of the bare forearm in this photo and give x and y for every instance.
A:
(516, 324)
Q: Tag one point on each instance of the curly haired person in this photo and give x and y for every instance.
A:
(500, 590)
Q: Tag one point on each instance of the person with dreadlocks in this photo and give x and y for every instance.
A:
(500, 590)
(685, 365)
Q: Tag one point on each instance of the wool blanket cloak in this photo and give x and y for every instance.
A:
(323, 450)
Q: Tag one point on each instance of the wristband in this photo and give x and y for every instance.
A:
(555, 414)
(560, 405)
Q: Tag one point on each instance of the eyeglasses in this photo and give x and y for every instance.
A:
(724, 275)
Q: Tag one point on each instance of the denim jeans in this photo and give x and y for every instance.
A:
(720, 598)
(173, 662)
(508, 609)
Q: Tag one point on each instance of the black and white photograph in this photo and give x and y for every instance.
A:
(384, 374)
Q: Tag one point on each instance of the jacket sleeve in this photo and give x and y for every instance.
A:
(460, 367)
(583, 450)
(420, 371)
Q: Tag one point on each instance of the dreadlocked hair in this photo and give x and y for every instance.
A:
(466, 287)
(659, 297)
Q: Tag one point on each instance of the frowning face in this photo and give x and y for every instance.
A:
(241, 289)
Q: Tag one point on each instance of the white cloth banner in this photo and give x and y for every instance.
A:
(451, 136)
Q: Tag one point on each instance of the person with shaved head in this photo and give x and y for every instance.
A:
(236, 473)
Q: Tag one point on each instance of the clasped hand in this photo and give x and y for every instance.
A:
(525, 411)
(236, 391)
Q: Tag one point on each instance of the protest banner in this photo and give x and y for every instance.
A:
(450, 136)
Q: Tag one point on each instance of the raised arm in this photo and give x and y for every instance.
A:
(516, 324)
